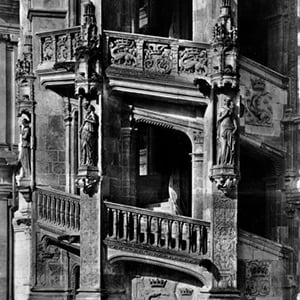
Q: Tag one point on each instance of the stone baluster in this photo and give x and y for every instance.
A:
(52, 209)
(72, 215)
(115, 223)
(125, 225)
(62, 209)
(48, 207)
(77, 214)
(40, 206)
(45, 207)
(66, 213)
(57, 211)
(135, 227)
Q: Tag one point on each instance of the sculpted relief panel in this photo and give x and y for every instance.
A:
(258, 104)
(146, 288)
(257, 279)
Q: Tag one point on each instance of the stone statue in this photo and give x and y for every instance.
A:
(89, 137)
(227, 127)
(174, 192)
(25, 148)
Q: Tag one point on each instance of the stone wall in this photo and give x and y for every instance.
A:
(263, 269)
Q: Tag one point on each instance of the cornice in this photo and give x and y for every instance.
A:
(45, 13)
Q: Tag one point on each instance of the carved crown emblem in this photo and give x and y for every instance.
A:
(258, 84)
(157, 282)
(259, 269)
(186, 292)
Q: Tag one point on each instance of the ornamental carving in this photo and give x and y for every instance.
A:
(89, 249)
(158, 58)
(123, 52)
(258, 278)
(258, 104)
(48, 48)
(23, 67)
(193, 61)
(63, 47)
(76, 42)
(146, 288)
(225, 240)
(224, 31)
(49, 266)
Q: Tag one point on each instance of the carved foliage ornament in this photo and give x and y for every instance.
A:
(123, 52)
(158, 58)
(258, 104)
(193, 60)
(225, 240)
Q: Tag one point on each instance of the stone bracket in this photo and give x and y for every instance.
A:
(225, 178)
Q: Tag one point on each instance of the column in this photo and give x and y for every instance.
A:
(68, 162)
(128, 163)
(197, 177)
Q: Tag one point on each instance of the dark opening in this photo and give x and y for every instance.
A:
(252, 206)
(164, 172)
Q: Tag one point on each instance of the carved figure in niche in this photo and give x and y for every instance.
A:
(24, 157)
(89, 137)
(227, 127)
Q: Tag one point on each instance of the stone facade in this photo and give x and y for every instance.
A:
(140, 140)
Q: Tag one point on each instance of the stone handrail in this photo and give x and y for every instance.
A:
(156, 54)
(59, 45)
(156, 231)
(59, 209)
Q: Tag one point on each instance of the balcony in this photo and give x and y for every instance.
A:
(57, 57)
(138, 64)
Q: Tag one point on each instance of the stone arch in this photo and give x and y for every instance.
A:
(170, 269)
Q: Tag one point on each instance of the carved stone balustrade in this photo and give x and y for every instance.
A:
(59, 46)
(58, 209)
(140, 230)
(156, 55)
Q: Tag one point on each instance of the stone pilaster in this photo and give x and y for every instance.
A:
(88, 87)
(197, 185)
(222, 142)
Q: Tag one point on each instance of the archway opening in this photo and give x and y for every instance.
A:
(164, 170)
